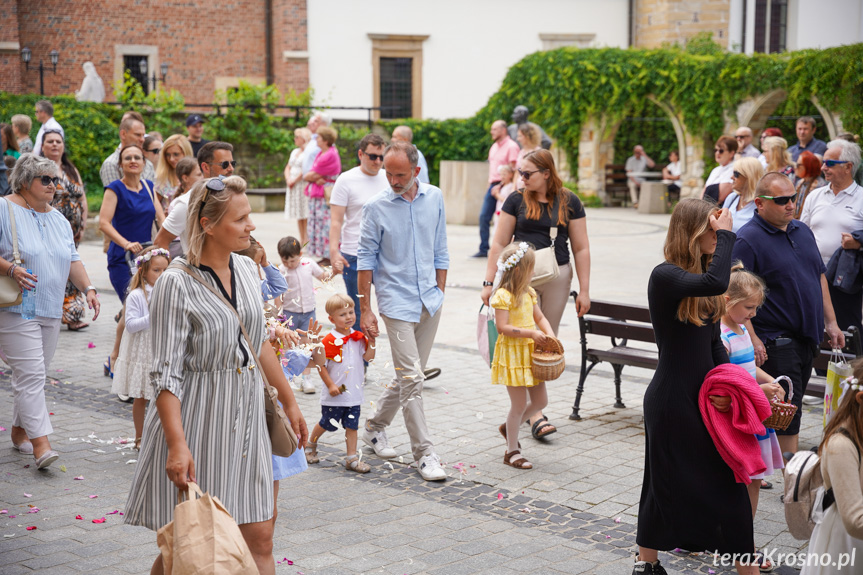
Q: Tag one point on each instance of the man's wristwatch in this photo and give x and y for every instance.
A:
(86, 291)
(487, 284)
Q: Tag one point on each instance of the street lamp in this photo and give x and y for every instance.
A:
(27, 55)
(154, 79)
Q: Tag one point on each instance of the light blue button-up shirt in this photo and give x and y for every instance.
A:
(47, 247)
(403, 243)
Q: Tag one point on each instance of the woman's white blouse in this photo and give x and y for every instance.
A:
(47, 248)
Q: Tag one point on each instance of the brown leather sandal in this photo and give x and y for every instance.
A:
(502, 430)
(517, 460)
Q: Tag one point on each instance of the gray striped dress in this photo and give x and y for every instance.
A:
(200, 356)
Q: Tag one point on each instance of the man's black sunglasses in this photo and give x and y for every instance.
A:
(780, 200)
(375, 157)
(224, 165)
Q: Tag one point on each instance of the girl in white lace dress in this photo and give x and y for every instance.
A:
(132, 370)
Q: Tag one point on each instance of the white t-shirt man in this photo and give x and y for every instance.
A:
(175, 223)
(352, 190)
(828, 215)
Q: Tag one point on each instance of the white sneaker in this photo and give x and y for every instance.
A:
(297, 383)
(430, 468)
(378, 441)
(308, 386)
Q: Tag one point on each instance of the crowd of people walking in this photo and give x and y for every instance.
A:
(753, 276)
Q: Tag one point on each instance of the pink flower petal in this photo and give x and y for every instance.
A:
(2, 428)
(102, 520)
(12, 516)
(93, 496)
(33, 510)
(31, 528)
(79, 478)
(27, 495)
(499, 496)
(4, 511)
(116, 511)
(78, 517)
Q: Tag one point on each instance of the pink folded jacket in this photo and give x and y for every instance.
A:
(734, 431)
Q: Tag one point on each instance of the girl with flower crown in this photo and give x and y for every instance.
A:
(132, 369)
(840, 531)
(517, 316)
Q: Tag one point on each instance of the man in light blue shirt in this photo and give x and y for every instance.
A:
(403, 251)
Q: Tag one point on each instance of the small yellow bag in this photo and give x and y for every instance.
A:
(203, 539)
(837, 370)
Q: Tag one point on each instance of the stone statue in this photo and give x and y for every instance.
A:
(92, 89)
(519, 116)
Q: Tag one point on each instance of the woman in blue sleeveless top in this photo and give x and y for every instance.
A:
(127, 215)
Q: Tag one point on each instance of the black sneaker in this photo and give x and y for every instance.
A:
(480, 255)
(645, 568)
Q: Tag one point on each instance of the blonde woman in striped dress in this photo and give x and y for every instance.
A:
(209, 424)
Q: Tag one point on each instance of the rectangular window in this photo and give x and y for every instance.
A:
(771, 17)
(132, 64)
(396, 87)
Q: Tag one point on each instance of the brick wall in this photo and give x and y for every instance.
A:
(673, 21)
(200, 40)
(10, 58)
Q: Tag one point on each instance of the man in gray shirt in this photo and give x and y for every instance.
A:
(745, 149)
(639, 161)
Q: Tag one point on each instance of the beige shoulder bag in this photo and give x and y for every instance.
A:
(10, 291)
(282, 435)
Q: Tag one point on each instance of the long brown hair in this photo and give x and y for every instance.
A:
(689, 221)
(849, 415)
(544, 161)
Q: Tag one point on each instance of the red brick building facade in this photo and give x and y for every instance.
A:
(208, 46)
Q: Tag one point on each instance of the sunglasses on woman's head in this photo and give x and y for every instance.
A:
(832, 163)
(48, 180)
(780, 200)
(213, 185)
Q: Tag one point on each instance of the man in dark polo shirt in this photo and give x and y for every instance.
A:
(789, 326)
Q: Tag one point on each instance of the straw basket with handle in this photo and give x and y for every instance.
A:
(547, 360)
(783, 412)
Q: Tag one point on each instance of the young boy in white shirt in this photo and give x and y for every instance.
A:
(340, 364)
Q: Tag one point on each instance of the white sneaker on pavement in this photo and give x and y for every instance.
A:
(430, 468)
(309, 386)
(378, 441)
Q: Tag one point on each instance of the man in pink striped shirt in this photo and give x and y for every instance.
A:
(504, 151)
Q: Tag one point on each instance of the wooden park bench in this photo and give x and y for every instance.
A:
(623, 323)
(616, 189)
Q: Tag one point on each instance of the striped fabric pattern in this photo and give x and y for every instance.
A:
(197, 357)
(47, 247)
(739, 348)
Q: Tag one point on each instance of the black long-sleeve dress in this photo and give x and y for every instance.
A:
(689, 498)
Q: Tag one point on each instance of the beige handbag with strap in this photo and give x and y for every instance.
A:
(10, 291)
(545, 268)
(282, 435)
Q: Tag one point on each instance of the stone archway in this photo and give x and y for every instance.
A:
(754, 111)
(596, 150)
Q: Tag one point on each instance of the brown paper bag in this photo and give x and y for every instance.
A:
(203, 539)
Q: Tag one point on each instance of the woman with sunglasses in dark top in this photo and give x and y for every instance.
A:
(48, 259)
(530, 215)
(129, 209)
(71, 201)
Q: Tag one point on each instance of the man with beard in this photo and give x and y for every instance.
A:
(403, 250)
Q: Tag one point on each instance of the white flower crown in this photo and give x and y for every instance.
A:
(852, 384)
(142, 259)
(512, 261)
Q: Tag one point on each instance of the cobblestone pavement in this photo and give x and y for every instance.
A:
(574, 513)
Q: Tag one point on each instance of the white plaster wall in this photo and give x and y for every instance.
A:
(471, 44)
(824, 23)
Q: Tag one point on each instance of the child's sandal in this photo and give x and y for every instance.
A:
(517, 460)
(312, 453)
(354, 464)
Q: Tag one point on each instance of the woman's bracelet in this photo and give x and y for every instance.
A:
(11, 270)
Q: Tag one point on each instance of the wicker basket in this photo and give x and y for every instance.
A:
(547, 360)
(783, 412)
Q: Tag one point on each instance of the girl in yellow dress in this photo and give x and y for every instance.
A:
(517, 316)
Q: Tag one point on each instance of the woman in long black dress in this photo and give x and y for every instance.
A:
(689, 498)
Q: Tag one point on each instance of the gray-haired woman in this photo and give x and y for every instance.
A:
(49, 259)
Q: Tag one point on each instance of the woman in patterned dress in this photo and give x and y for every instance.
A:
(209, 423)
(71, 201)
(296, 202)
(324, 172)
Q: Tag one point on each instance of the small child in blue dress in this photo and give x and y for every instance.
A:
(746, 292)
